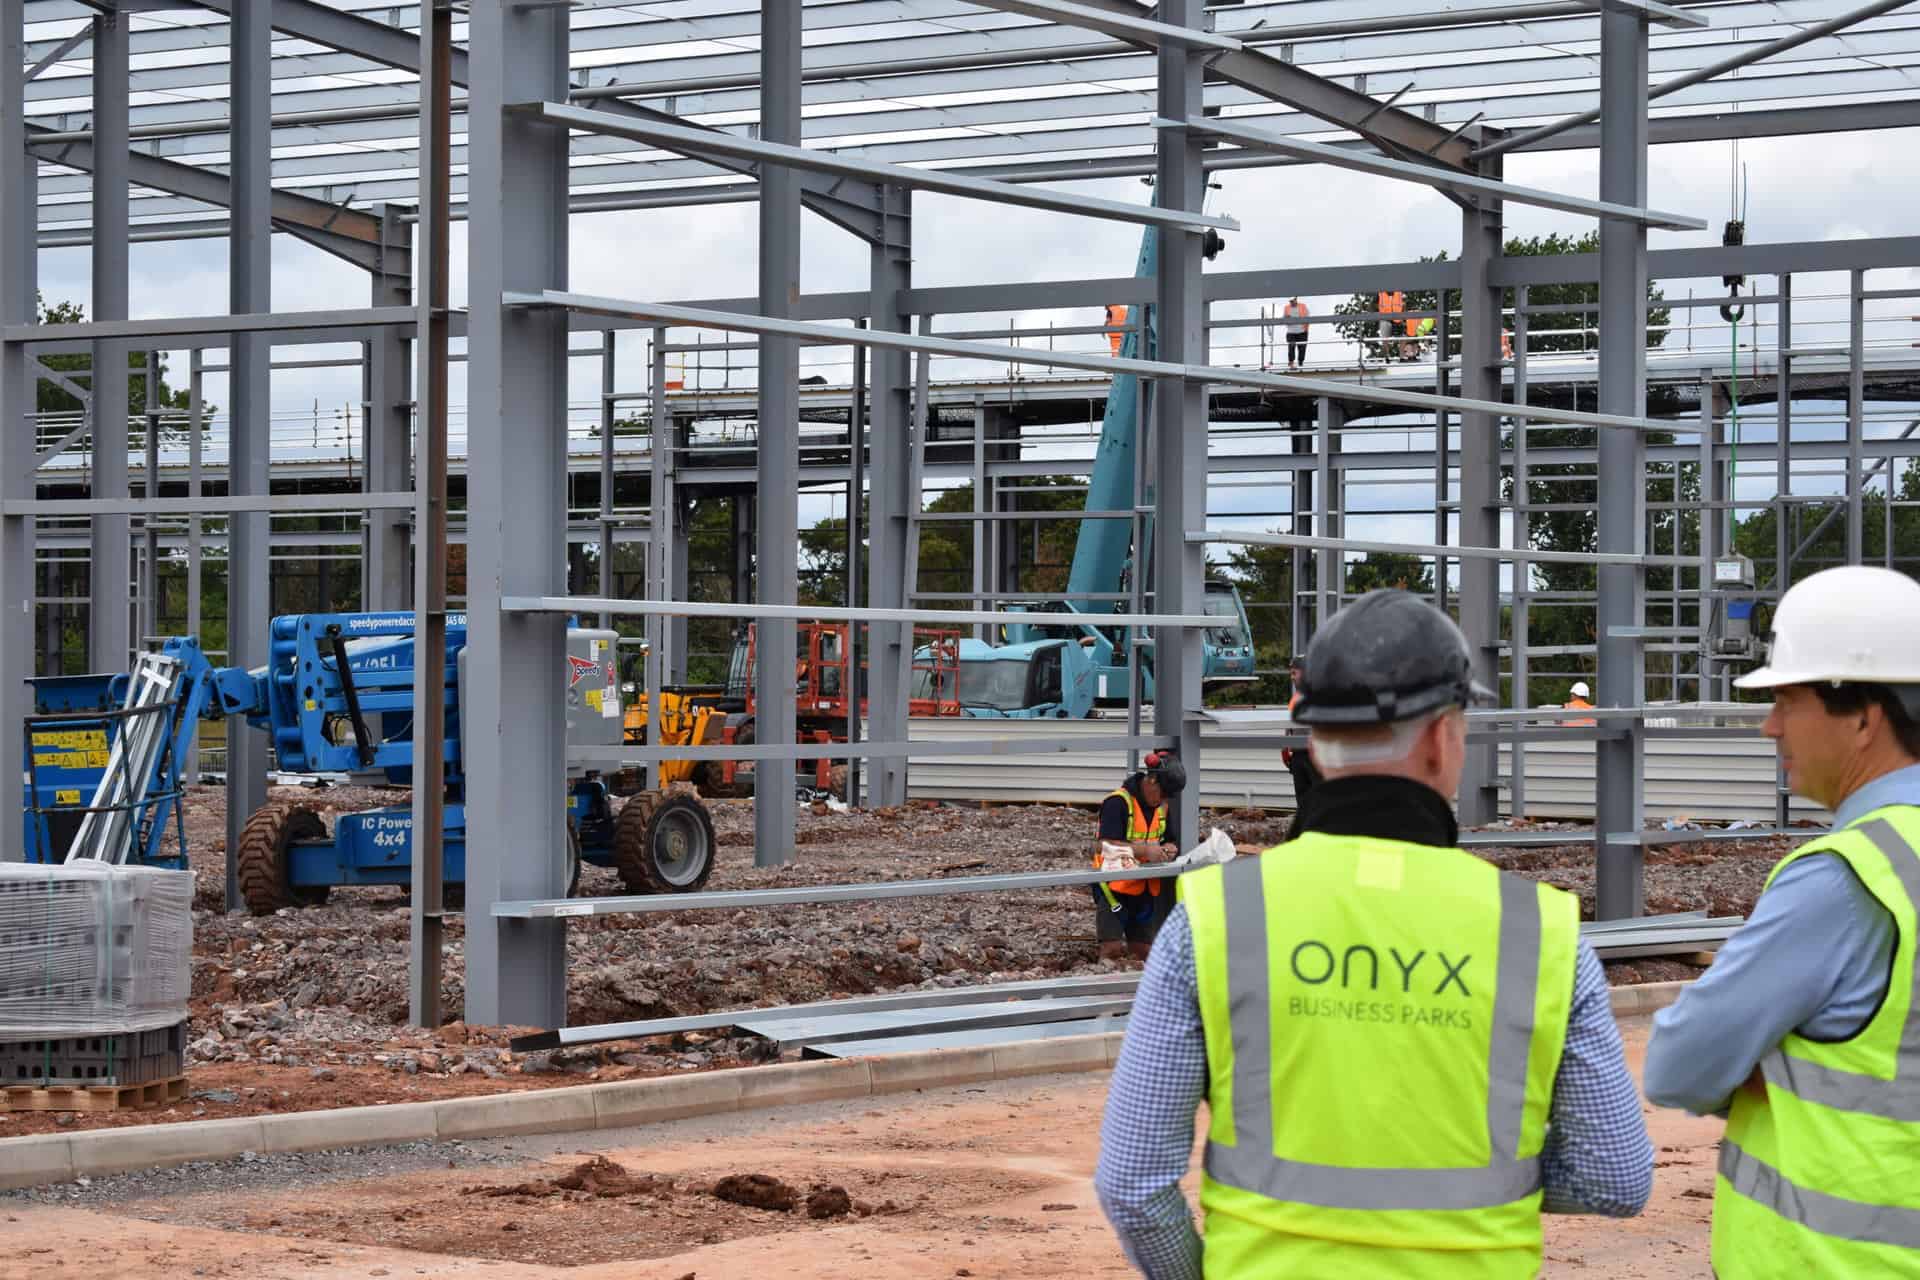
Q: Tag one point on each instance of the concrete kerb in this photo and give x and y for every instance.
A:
(45, 1158)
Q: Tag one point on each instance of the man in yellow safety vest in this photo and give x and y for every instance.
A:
(1806, 1030)
(1136, 827)
(1406, 1054)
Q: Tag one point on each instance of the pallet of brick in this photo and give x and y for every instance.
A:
(95, 968)
(119, 1097)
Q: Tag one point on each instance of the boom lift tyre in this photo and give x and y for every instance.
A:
(261, 863)
(663, 843)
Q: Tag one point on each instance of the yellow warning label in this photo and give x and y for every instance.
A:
(66, 797)
(72, 739)
(594, 697)
(70, 759)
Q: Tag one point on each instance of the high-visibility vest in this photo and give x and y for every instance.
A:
(1139, 828)
(1393, 302)
(1383, 1026)
(1579, 704)
(1116, 324)
(1295, 310)
(1820, 1169)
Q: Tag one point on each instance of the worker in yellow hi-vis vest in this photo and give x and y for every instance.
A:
(1806, 1030)
(1407, 1055)
(1136, 827)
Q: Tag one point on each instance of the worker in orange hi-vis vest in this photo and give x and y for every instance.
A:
(1296, 313)
(1390, 303)
(1116, 326)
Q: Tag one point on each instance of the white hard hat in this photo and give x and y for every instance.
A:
(1580, 689)
(1850, 625)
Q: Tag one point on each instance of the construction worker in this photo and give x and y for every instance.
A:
(1299, 763)
(1391, 302)
(1580, 698)
(1116, 326)
(1424, 333)
(1407, 1055)
(1136, 826)
(1296, 314)
(1804, 1030)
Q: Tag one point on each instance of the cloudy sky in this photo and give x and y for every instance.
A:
(1810, 188)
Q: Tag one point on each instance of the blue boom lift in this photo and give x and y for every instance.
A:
(337, 697)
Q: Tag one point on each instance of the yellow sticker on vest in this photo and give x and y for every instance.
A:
(1379, 869)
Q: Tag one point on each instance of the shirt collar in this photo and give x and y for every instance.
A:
(1902, 786)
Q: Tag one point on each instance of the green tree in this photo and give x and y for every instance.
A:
(51, 398)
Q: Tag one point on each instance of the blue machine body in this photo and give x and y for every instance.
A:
(302, 701)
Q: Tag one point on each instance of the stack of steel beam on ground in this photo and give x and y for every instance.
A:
(999, 1013)
(1669, 935)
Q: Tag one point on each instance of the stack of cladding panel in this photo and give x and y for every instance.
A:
(95, 969)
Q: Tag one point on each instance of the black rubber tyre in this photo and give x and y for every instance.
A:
(663, 843)
(261, 863)
(573, 861)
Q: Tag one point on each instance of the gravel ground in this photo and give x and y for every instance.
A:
(306, 1008)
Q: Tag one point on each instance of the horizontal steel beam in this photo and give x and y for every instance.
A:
(741, 322)
(1527, 554)
(1665, 15)
(747, 899)
(691, 141)
(273, 503)
(194, 326)
(1428, 175)
(834, 613)
(348, 32)
(614, 757)
(1109, 21)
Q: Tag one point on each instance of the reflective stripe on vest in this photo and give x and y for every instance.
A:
(1250, 1164)
(1898, 1098)
(1139, 830)
(1817, 1176)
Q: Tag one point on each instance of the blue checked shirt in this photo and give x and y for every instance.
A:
(1597, 1158)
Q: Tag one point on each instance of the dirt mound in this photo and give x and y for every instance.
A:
(759, 1191)
(829, 1202)
(599, 1177)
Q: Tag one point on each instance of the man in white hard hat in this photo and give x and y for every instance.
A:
(1580, 698)
(1806, 1030)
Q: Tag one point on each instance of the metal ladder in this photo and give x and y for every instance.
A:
(110, 829)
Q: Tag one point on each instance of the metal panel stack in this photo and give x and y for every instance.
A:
(95, 969)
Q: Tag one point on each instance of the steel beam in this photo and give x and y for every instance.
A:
(388, 422)
(776, 450)
(426, 910)
(1441, 179)
(832, 613)
(1434, 550)
(110, 566)
(18, 303)
(249, 384)
(1619, 763)
(891, 502)
(513, 712)
(744, 322)
(1116, 20)
(688, 141)
(347, 32)
(1481, 242)
(1179, 437)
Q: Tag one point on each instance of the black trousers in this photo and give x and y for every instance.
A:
(1296, 349)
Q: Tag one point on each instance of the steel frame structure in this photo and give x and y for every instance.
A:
(337, 127)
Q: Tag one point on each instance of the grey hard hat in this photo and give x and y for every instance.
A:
(1387, 657)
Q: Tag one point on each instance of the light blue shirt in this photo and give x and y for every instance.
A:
(1762, 987)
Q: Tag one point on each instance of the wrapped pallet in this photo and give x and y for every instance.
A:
(95, 970)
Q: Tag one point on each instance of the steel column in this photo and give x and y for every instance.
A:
(891, 496)
(150, 487)
(660, 507)
(19, 260)
(1521, 629)
(249, 388)
(777, 448)
(110, 573)
(427, 923)
(513, 708)
(1180, 420)
(1783, 439)
(1329, 567)
(1481, 243)
(196, 426)
(1856, 417)
(387, 581)
(609, 384)
(1619, 762)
